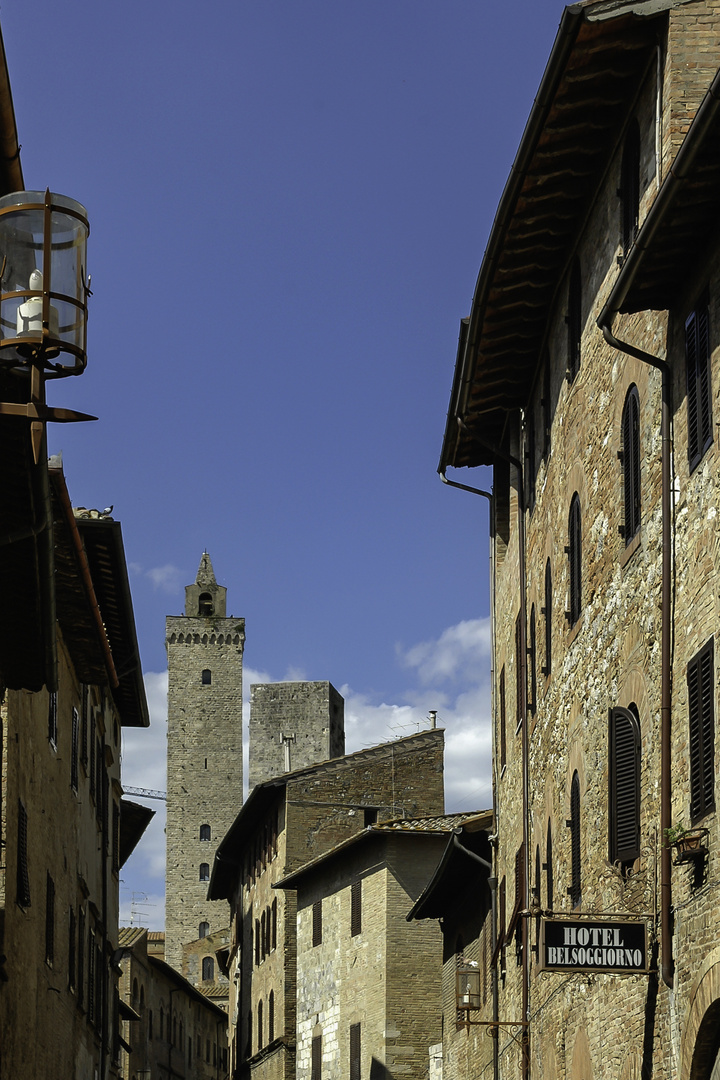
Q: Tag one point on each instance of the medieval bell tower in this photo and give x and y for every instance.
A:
(204, 759)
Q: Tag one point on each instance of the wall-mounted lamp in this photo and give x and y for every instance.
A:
(43, 299)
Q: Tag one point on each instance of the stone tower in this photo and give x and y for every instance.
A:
(204, 757)
(293, 725)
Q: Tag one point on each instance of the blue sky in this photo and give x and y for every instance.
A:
(289, 203)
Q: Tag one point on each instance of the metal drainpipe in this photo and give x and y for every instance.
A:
(492, 879)
(667, 960)
(525, 744)
(492, 884)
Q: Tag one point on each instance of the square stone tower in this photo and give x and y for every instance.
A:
(204, 757)
(293, 725)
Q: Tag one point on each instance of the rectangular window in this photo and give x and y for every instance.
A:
(356, 908)
(317, 923)
(355, 1052)
(72, 938)
(316, 1063)
(52, 719)
(503, 721)
(49, 920)
(699, 386)
(701, 708)
(23, 876)
(74, 750)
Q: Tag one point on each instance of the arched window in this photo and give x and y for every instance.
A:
(574, 320)
(630, 456)
(205, 604)
(575, 890)
(142, 999)
(150, 1024)
(260, 1025)
(271, 1017)
(206, 677)
(574, 553)
(208, 969)
(205, 832)
(204, 871)
(547, 615)
(630, 185)
(204, 929)
(624, 778)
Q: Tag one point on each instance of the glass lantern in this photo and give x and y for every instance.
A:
(468, 987)
(43, 282)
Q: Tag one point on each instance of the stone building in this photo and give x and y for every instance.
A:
(204, 760)
(287, 821)
(459, 895)
(293, 724)
(359, 1016)
(587, 376)
(65, 828)
(172, 1029)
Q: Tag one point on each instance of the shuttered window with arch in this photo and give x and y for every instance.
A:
(624, 780)
(699, 387)
(630, 456)
(701, 707)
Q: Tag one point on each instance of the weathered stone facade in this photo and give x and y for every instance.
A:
(579, 612)
(371, 970)
(65, 829)
(172, 1028)
(284, 823)
(292, 725)
(204, 756)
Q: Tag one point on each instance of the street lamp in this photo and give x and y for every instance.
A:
(43, 299)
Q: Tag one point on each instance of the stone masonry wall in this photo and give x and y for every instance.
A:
(311, 714)
(204, 763)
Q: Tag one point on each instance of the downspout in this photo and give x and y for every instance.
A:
(522, 660)
(605, 324)
(492, 879)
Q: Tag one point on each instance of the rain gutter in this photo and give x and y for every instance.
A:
(678, 173)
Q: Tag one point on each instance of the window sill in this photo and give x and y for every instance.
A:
(630, 549)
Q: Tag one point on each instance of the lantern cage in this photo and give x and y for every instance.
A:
(468, 990)
(43, 283)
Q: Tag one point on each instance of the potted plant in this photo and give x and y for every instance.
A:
(689, 843)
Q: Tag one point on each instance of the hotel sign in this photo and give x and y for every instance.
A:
(594, 945)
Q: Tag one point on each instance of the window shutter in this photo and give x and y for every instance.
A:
(631, 463)
(701, 706)
(699, 389)
(316, 1062)
(624, 794)
(575, 559)
(355, 1052)
(355, 908)
(317, 923)
(23, 877)
(547, 613)
(575, 889)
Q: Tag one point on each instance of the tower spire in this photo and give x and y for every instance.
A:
(205, 598)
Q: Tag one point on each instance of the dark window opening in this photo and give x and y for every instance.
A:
(546, 612)
(355, 908)
(317, 923)
(630, 457)
(316, 1058)
(208, 969)
(575, 890)
(355, 1052)
(699, 385)
(624, 779)
(370, 816)
(204, 871)
(206, 677)
(701, 708)
(574, 553)
(630, 186)
(574, 321)
(205, 604)
(203, 929)
(205, 832)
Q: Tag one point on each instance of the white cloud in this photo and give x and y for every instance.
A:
(167, 579)
(459, 653)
